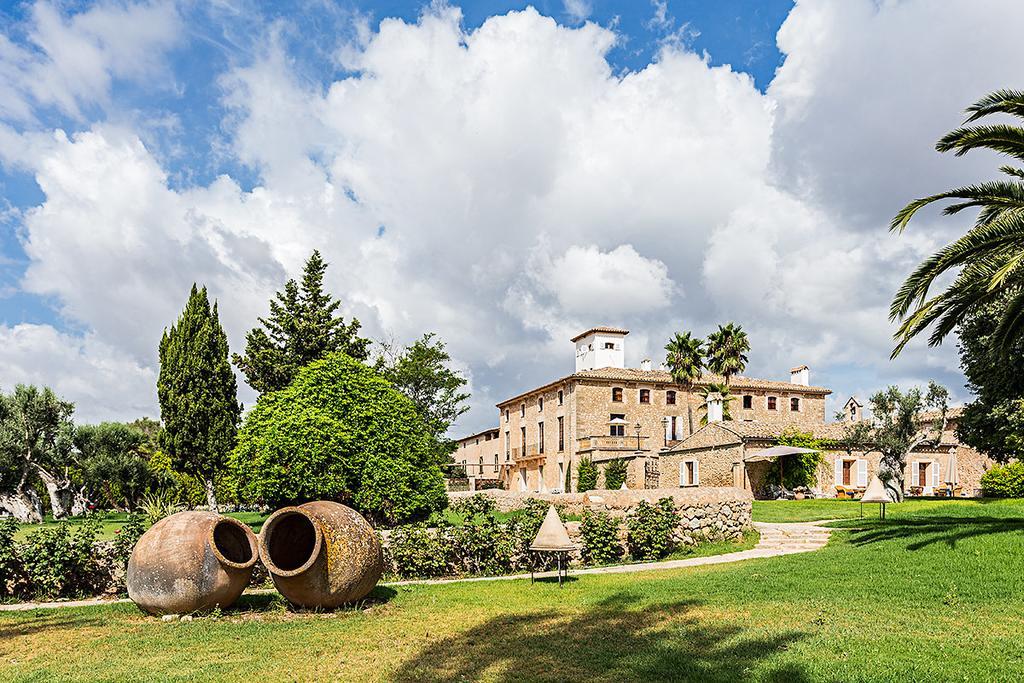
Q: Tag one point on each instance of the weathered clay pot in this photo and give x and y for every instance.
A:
(191, 561)
(321, 554)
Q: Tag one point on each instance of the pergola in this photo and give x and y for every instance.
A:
(775, 453)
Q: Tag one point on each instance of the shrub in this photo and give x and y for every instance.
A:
(125, 540)
(60, 563)
(615, 474)
(586, 475)
(1004, 481)
(156, 505)
(340, 432)
(649, 529)
(600, 534)
(11, 575)
(475, 505)
(478, 547)
(418, 552)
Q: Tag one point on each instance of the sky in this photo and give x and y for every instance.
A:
(503, 174)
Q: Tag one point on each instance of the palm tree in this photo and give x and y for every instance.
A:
(727, 349)
(990, 254)
(721, 391)
(685, 360)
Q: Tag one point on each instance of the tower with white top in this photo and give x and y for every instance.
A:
(600, 347)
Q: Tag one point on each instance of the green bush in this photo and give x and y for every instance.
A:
(11, 576)
(475, 505)
(615, 474)
(586, 475)
(340, 432)
(61, 563)
(418, 552)
(600, 534)
(125, 540)
(1004, 481)
(649, 529)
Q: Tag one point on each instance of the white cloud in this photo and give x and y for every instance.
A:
(103, 383)
(578, 10)
(504, 187)
(71, 62)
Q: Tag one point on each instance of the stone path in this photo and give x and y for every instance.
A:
(776, 539)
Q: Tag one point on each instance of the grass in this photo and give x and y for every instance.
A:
(830, 508)
(884, 601)
(113, 521)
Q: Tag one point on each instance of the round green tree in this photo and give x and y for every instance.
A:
(340, 432)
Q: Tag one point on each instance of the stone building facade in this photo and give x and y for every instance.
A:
(479, 456)
(612, 412)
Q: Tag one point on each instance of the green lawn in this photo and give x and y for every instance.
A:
(934, 593)
(830, 508)
(111, 522)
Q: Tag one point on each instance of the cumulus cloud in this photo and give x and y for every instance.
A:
(503, 187)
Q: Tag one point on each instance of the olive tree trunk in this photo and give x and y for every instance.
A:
(59, 491)
(211, 494)
(24, 506)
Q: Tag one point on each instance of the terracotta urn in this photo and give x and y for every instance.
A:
(191, 561)
(321, 554)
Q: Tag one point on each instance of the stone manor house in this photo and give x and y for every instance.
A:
(607, 411)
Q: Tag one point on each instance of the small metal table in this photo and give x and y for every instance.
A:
(561, 557)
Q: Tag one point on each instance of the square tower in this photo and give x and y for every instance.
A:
(600, 347)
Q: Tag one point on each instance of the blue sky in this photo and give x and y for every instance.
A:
(500, 175)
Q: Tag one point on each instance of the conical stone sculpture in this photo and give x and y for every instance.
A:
(552, 536)
(875, 492)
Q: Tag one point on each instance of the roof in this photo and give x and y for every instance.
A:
(473, 436)
(799, 368)
(664, 377)
(599, 328)
(854, 401)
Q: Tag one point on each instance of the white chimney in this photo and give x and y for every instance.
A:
(645, 365)
(715, 407)
(800, 375)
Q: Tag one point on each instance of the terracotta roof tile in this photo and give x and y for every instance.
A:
(663, 376)
(600, 328)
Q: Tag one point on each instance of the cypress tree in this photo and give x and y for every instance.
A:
(197, 391)
(302, 328)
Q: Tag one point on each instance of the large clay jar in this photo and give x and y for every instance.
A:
(191, 561)
(321, 554)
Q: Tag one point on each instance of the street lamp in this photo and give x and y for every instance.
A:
(638, 427)
(664, 424)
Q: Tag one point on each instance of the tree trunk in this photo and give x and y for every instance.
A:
(24, 506)
(211, 495)
(689, 411)
(80, 504)
(59, 491)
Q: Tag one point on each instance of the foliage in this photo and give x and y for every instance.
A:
(10, 564)
(615, 473)
(1004, 481)
(986, 260)
(993, 422)
(197, 392)
(422, 373)
(340, 432)
(477, 505)
(160, 503)
(902, 421)
(586, 475)
(720, 391)
(61, 563)
(685, 358)
(600, 535)
(36, 445)
(114, 461)
(125, 539)
(800, 469)
(727, 350)
(418, 552)
(649, 529)
(302, 328)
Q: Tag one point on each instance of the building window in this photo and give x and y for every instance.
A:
(540, 437)
(495, 463)
(506, 414)
(522, 410)
(540, 404)
(772, 403)
(645, 395)
(617, 395)
(609, 345)
(559, 397)
(522, 434)
(671, 432)
(507, 445)
(481, 466)
(618, 428)
(794, 404)
(561, 434)
(670, 398)
(748, 402)
(689, 473)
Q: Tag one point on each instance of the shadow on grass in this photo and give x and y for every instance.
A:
(927, 531)
(614, 641)
(275, 602)
(43, 620)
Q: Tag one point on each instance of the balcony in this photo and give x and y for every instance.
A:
(528, 453)
(612, 443)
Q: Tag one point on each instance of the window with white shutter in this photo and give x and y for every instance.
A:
(696, 473)
(862, 473)
(839, 471)
(915, 467)
(683, 474)
(935, 473)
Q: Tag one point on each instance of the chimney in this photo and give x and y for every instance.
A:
(715, 407)
(800, 375)
(645, 365)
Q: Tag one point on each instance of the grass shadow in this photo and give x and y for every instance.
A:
(616, 640)
(47, 620)
(923, 532)
(273, 601)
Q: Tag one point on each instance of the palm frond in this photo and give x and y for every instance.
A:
(1000, 137)
(1012, 171)
(997, 193)
(1003, 101)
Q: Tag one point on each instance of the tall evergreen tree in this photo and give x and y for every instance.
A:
(303, 327)
(197, 391)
